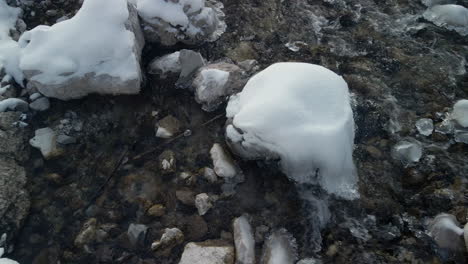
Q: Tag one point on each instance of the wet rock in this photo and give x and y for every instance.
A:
(136, 233)
(14, 199)
(167, 161)
(244, 241)
(156, 210)
(8, 91)
(171, 238)
(203, 203)
(190, 62)
(186, 196)
(425, 126)
(54, 177)
(222, 162)
(414, 177)
(66, 140)
(374, 152)
(210, 175)
(208, 252)
(46, 141)
(40, 104)
(451, 17)
(167, 127)
(214, 82)
(87, 234)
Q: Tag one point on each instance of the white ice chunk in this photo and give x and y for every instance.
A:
(280, 248)
(300, 113)
(425, 126)
(452, 17)
(101, 53)
(407, 151)
(244, 241)
(460, 112)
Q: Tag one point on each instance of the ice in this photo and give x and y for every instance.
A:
(460, 112)
(452, 17)
(407, 151)
(9, 49)
(244, 241)
(280, 248)
(446, 231)
(301, 114)
(425, 126)
(101, 54)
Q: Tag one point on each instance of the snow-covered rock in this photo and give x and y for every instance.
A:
(280, 248)
(214, 82)
(45, 140)
(244, 241)
(9, 49)
(166, 65)
(13, 104)
(187, 21)
(96, 51)
(171, 238)
(208, 252)
(222, 162)
(446, 232)
(203, 203)
(460, 112)
(407, 151)
(167, 127)
(425, 126)
(452, 17)
(299, 113)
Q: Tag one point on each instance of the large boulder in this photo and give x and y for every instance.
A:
(186, 21)
(93, 52)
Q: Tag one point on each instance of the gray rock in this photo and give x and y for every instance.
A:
(186, 196)
(14, 199)
(190, 61)
(136, 233)
(171, 238)
(244, 241)
(13, 104)
(12, 137)
(167, 127)
(66, 140)
(46, 141)
(214, 82)
(208, 252)
(203, 203)
(166, 66)
(40, 104)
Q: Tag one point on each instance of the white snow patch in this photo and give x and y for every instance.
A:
(452, 17)
(6, 260)
(300, 113)
(280, 248)
(9, 49)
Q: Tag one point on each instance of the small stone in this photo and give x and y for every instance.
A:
(203, 203)
(34, 96)
(136, 233)
(51, 13)
(167, 127)
(40, 104)
(374, 152)
(13, 104)
(222, 162)
(187, 197)
(244, 241)
(167, 161)
(171, 238)
(87, 234)
(54, 177)
(208, 252)
(407, 151)
(46, 141)
(425, 126)
(66, 140)
(210, 175)
(157, 210)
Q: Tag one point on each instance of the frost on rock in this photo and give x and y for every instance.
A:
(187, 21)
(280, 248)
(460, 113)
(101, 53)
(301, 114)
(446, 232)
(244, 241)
(9, 49)
(425, 126)
(407, 151)
(451, 17)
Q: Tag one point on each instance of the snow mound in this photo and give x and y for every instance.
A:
(9, 49)
(96, 51)
(187, 21)
(299, 113)
(452, 17)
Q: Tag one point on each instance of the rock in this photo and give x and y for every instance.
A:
(87, 234)
(54, 177)
(208, 252)
(214, 82)
(136, 233)
(451, 17)
(167, 127)
(40, 104)
(167, 161)
(156, 210)
(309, 261)
(280, 247)
(425, 126)
(66, 140)
(67, 71)
(190, 62)
(186, 196)
(166, 66)
(222, 162)
(460, 113)
(13, 104)
(447, 233)
(260, 233)
(374, 152)
(171, 238)
(203, 203)
(244, 241)
(35, 96)
(187, 23)
(465, 235)
(8, 91)
(13, 137)
(210, 175)
(196, 227)
(14, 199)
(46, 141)
(407, 151)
